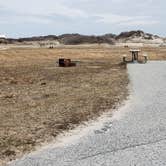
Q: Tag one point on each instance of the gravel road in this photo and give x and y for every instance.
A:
(134, 136)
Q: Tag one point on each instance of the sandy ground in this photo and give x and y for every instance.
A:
(135, 135)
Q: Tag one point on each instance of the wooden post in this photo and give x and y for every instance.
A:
(124, 58)
(132, 56)
(145, 58)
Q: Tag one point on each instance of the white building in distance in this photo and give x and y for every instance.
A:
(2, 36)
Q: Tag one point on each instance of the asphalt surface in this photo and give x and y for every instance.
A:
(134, 136)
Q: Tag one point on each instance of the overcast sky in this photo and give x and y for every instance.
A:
(20, 18)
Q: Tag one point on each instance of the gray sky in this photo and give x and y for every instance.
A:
(20, 18)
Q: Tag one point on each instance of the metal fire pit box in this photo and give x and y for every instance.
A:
(66, 63)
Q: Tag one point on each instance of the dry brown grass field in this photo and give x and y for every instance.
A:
(38, 99)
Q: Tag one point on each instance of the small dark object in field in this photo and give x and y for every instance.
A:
(8, 96)
(46, 95)
(9, 153)
(13, 82)
(66, 63)
(43, 83)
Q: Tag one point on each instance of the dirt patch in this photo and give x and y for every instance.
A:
(38, 100)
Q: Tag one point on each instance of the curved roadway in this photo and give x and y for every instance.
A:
(136, 139)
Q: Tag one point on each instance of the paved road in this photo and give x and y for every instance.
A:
(136, 139)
